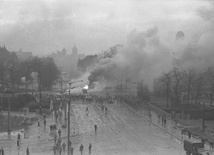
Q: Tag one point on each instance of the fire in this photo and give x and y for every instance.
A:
(86, 87)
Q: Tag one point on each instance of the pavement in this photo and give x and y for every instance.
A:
(121, 130)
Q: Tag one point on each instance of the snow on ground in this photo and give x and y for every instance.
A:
(120, 131)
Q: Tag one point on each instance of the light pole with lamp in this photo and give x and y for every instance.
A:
(69, 107)
(10, 94)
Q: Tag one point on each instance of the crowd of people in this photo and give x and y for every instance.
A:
(59, 147)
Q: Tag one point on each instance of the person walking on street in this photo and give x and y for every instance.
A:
(18, 143)
(72, 150)
(59, 132)
(89, 148)
(81, 149)
(63, 147)
(18, 140)
(59, 141)
(87, 111)
(95, 128)
(19, 136)
(2, 151)
(27, 151)
(164, 122)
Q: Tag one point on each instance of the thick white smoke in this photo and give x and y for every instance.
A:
(146, 55)
(143, 57)
(198, 53)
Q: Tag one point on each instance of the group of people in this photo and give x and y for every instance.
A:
(59, 148)
(104, 109)
(163, 120)
(18, 145)
(82, 147)
(58, 114)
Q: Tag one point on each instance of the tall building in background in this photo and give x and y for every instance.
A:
(22, 55)
(74, 50)
(67, 62)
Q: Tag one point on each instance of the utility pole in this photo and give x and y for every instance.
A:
(65, 108)
(203, 118)
(10, 95)
(40, 95)
(69, 107)
(2, 100)
(8, 119)
(61, 84)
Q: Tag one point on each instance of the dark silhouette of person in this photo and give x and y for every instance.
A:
(27, 151)
(95, 128)
(72, 150)
(19, 136)
(81, 149)
(18, 140)
(2, 151)
(59, 132)
(63, 147)
(89, 148)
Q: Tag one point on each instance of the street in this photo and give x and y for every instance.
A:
(120, 131)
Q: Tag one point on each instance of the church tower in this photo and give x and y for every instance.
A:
(74, 50)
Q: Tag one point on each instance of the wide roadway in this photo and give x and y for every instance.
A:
(120, 131)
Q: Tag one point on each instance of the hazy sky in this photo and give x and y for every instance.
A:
(44, 26)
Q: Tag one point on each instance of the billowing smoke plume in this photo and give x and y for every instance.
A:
(146, 55)
(198, 54)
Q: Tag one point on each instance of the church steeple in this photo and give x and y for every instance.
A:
(74, 50)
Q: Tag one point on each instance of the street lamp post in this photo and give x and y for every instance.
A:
(203, 118)
(69, 107)
(2, 98)
(10, 94)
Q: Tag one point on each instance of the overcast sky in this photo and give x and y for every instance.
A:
(44, 26)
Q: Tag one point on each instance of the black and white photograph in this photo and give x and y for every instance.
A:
(106, 77)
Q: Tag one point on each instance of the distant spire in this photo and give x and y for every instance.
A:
(74, 50)
(64, 51)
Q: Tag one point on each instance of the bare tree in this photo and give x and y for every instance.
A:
(166, 79)
(198, 86)
(191, 76)
(210, 82)
(177, 75)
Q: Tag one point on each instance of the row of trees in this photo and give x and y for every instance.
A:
(182, 86)
(143, 92)
(14, 72)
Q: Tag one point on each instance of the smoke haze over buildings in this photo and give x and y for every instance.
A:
(147, 54)
(43, 26)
